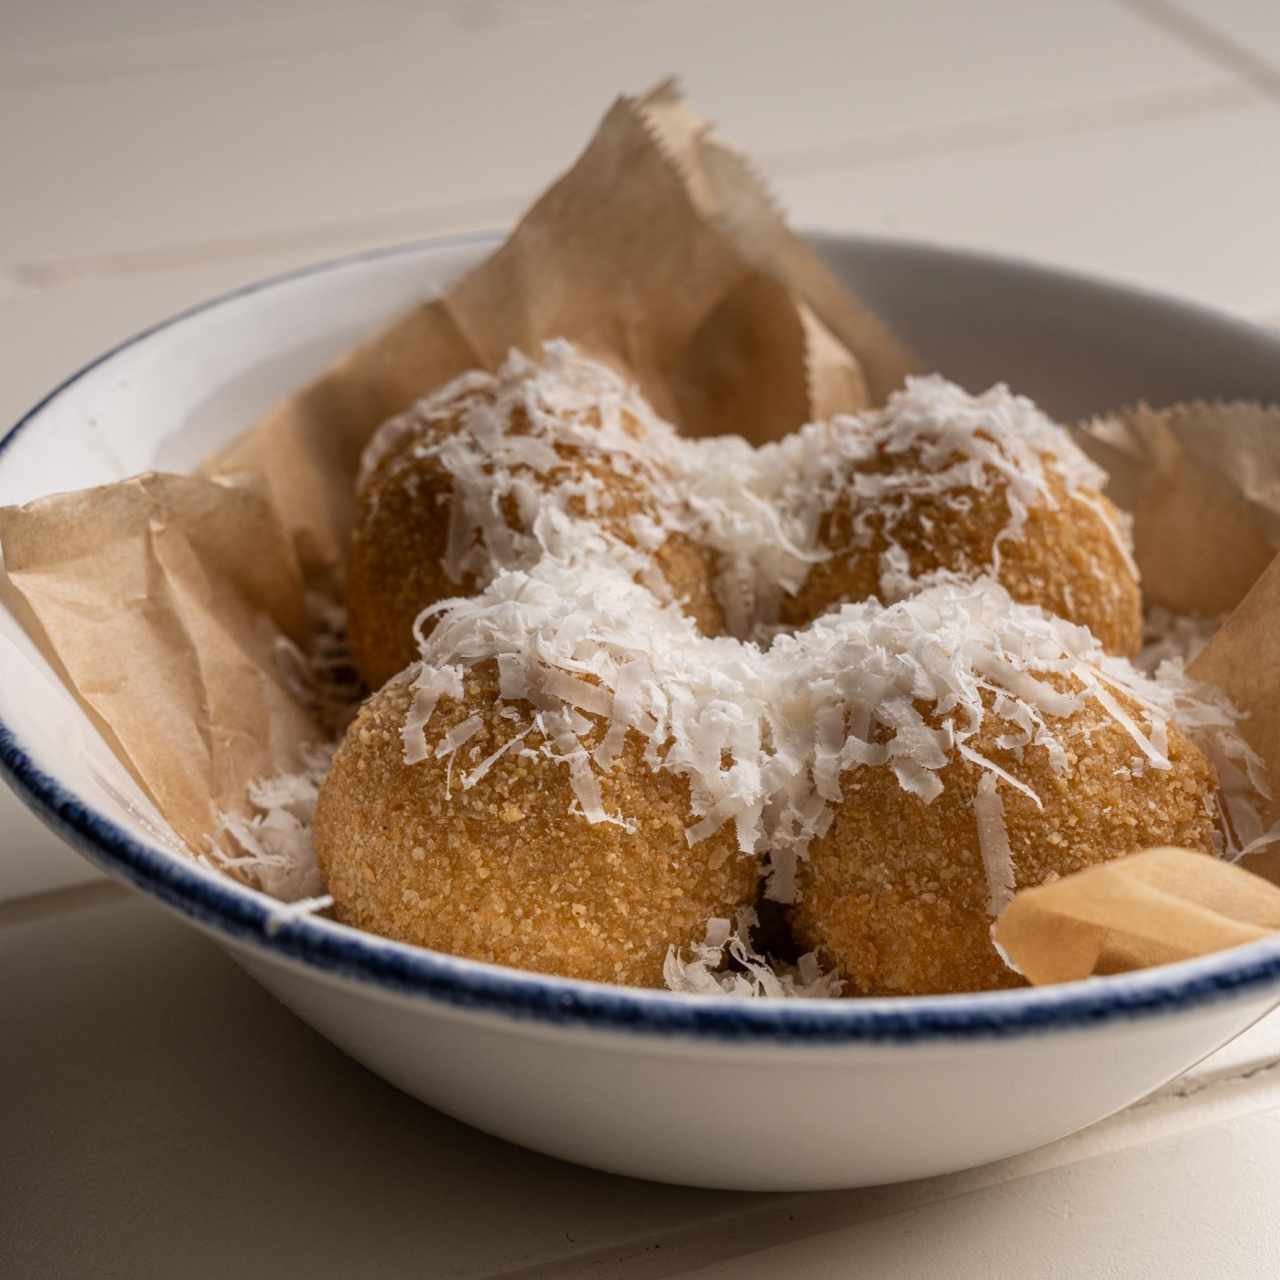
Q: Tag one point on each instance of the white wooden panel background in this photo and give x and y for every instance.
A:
(159, 1113)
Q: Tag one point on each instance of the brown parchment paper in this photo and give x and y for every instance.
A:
(1147, 909)
(725, 187)
(1211, 468)
(1243, 659)
(622, 258)
(163, 602)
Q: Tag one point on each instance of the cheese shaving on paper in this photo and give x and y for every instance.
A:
(273, 846)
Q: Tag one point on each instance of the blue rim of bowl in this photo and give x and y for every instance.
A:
(250, 918)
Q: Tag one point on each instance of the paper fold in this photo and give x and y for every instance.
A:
(162, 602)
(1212, 470)
(1149, 908)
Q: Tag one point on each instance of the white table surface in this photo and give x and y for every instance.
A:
(159, 1114)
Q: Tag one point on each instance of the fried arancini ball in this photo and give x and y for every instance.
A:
(507, 870)
(491, 472)
(896, 892)
(1062, 559)
(944, 481)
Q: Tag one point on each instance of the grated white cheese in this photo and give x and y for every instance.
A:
(273, 846)
(490, 760)
(519, 438)
(943, 441)
(459, 735)
(763, 735)
(324, 679)
(509, 437)
(1121, 536)
(1173, 635)
(287, 912)
(993, 841)
(726, 964)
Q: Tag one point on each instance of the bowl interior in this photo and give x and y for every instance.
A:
(170, 396)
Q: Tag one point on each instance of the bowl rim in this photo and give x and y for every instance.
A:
(247, 916)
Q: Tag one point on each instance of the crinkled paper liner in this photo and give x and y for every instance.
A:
(693, 297)
(166, 603)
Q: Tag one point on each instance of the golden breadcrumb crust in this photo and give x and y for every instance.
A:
(397, 562)
(1063, 559)
(895, 892)
(506, 871)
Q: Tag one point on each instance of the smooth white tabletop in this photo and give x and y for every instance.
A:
(159, 1114)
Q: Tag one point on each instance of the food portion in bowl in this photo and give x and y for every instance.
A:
(887, 720)
(707, 640)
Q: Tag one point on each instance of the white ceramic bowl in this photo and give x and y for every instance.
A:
(697, 1090)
